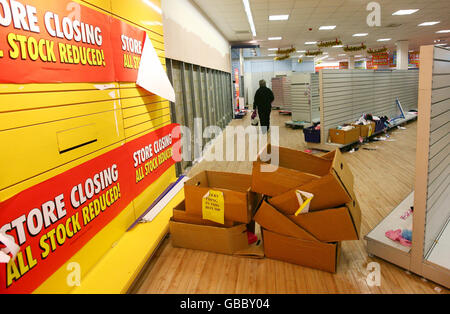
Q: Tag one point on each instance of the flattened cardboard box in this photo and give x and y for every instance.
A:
(296, 169)
(240, 202)
(344, 137)
(317, 255)
(331, 225)
(271, 219)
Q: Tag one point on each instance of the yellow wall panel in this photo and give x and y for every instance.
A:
(46, 87)
(144, 108)
(39, 144)
(146, 117)
(22, 101)
(129, 103)
(137, 135)
(147, 126)
(23, 185)
(146, 14)
(17, 119)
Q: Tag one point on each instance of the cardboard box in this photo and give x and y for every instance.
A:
(366, 130)
(240, 202)
(318, 255)
(296, 169)
(209, 238)
(344, 137)
(271, 219)
(328, 192)
(180, 215)
(331, 225)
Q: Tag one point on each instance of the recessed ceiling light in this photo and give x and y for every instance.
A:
(405, 12)
(274, 38)
(310, 42)
(360, 35)
(384, 39)
(338, 46)
(443, 31)
(428, 23)
(248, 11)
(330, 27)
(279, 17)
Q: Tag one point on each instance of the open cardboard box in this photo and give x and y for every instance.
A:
(344, 137)
(366, 130)
(193, 232)
(240, 201)
(296, 169)
(208, 238)
(285, 240)
(180, 215)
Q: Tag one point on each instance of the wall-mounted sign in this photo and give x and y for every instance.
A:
(62, 41)
(51, 221)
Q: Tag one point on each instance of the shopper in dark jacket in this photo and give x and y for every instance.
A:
(263, 104)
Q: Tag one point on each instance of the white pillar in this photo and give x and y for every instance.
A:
(402, 54)
(351, 62)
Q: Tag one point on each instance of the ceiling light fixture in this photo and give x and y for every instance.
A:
(428, 23)
(384, 39)
(360, 35)
(405, 12)
(275, 38)
(272, 49)
(310, 42)
(330, 27)
(279, 17)
(443, 31)
(338, 46)
(248, 11)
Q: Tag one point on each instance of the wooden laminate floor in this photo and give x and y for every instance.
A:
(383, 178)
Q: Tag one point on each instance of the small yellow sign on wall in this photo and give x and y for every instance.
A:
(213, 206)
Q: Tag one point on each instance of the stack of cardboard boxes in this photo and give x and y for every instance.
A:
(313, 238)
(270, 197)
(353, 134)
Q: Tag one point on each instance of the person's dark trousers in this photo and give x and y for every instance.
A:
(264, 119)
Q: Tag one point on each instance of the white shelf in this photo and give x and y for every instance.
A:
(393, 222)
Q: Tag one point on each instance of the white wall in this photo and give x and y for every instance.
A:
(191, 38)
(265, 69)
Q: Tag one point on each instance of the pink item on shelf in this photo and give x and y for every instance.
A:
(397, 236)
(408, 213)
